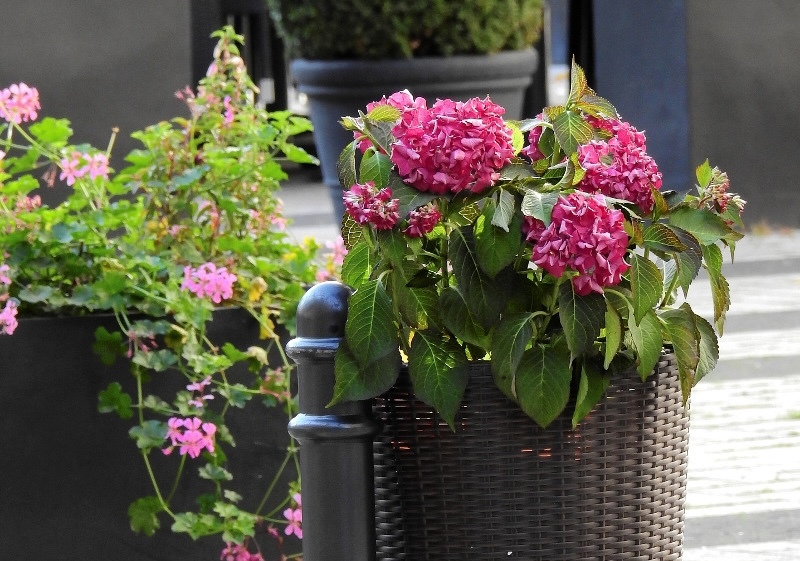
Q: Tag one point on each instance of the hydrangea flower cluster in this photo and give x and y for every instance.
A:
(584, 236)
(209, 281)
(19, 103)
(367, 204)
(619, 167)
(422, 221)
(453, 146)
(399, 100)
(191, 436)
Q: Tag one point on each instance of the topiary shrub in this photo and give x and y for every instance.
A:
(376, 29)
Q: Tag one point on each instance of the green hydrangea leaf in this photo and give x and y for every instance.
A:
(386, 112)
(706, 226)
(346, 166)
(439, 373)
(509, 341)
(647, 341)
(375, 167)
(539, 205)
(357, 265)
(480, 292)
(682, 330)
(543, 383)
(503, 214)
(355, 382)
(646, 285)
(496, 248)
(370, 329)
(686, 263)
(571, 130)
(457, 317)
(613, 332)
(720, 290)
(591, 388)
(660, 237)
(418, 305)
(581, 317)
(409, 197)
(709, 348)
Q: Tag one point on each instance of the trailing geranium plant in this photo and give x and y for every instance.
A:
(555, 258)
(191, 224)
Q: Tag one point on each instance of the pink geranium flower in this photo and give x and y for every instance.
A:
(295, 518)
(584, 236)
(209, 281)
(8, 318)
(191, 436)
(19, 103)
(453, 146)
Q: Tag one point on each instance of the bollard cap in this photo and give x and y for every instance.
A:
(322, 311)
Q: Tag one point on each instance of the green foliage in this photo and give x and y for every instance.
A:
(319, 29)
(467, 289)
(201, 189)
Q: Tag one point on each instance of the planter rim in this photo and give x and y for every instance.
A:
(313, 73)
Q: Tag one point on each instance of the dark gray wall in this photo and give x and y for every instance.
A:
(100, 63)
(744, 80)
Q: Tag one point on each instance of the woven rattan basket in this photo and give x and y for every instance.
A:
(501, 488)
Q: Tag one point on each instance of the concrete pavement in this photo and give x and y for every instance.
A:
(743, 496)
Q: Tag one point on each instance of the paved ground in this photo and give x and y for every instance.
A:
(743, 499)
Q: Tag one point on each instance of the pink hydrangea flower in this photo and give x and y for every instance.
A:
(584, 236)
(8, 318)
(422, 220)
(295, 518)
(532, 149)
(453, 146)
(19, 103)
(400, 100)
(619, 167)
(366, 204)
(190, 435)
(208, 280)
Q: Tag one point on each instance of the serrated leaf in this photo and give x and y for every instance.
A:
(578, 87)
(705, 225)
(571, 131)
(346, 166)
(480, 292)
(543, 383)
(509, 341)
(381, 134)
(504, 213)
(660, 237)
(439, 373)
(496, 248)
(703, 173)
(417, 305)
(357, 383)
(352, 232)
(409, 197)
(598, 106)
(683, 334)
(357, 265)
(646, 285)
(648, 342)
(457, 317)
(108, 345)
(686, 263)
(386, 112)
(709, 348)
(720, 290)
(375, 167)
(613, 328)
(539, 205)
(370, 328)
(581, 317)
(591, 388)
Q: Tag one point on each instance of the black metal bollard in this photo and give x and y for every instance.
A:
(336, 466)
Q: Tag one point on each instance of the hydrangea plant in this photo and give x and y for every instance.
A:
(192, 223)
(548, 247)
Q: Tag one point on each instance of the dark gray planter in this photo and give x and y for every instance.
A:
(336, 88)
(69, 473)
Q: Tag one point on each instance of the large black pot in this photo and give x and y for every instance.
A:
(69, 473)
(336, 88)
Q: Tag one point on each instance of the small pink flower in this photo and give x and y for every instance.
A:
(98, 166)
(236, 552)
(72, 168)
(8, 318)
(191, 436)
(584, 236)
(27, 204)
(367, 205)
(338, 249)
(226, 103)
(19, 103)
(4, 278)
(295, 519)
(422, 221)
(208, 280)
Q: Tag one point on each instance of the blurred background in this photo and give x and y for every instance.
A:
(703, 78)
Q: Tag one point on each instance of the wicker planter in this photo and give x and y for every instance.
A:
(501, 488)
